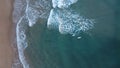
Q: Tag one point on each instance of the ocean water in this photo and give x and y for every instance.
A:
(68, 33)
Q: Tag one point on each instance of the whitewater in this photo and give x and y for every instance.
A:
(25, 14)
(60, 17)
(66, 20)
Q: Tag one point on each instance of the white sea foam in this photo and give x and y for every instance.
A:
(52, 20)
(63, 3)
(19, 8)
(37, 9)
(32, 15)
(31, 10)
(68, 22)
(21, 41)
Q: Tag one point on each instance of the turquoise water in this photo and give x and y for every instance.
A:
(98, 47)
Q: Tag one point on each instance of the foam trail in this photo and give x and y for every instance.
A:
(63, 3)
(21, 41)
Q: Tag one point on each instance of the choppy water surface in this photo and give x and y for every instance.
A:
(68, 33)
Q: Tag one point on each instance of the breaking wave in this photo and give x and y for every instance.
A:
(61, 18)
(63, 3)
(66, 20)
(36, 9)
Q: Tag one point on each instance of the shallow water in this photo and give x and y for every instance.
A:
(96, 47)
